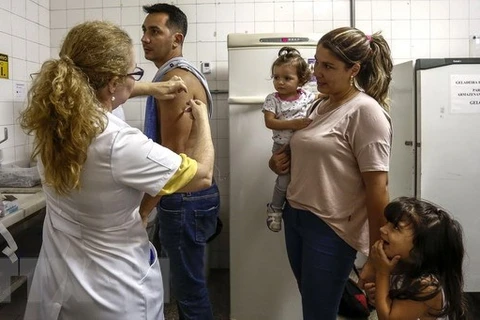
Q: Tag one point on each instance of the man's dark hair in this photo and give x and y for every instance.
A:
(176, 18)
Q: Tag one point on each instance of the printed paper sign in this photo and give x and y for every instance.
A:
(465, 93)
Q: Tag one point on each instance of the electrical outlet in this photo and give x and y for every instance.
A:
(205, 66)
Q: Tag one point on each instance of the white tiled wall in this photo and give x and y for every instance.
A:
(25, 38)
(414, 29)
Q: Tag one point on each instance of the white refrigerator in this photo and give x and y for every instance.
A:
(262, 284)
(435, 112)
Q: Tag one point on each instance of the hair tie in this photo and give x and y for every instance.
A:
(288, 51)
(369, 38)
(67, 60)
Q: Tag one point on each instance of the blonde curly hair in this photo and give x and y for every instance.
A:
(63, 112)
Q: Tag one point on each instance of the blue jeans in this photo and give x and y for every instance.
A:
(186, 221)
(321, 262)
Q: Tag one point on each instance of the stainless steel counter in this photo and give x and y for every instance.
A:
(30, 201)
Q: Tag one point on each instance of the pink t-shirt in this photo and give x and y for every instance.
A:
(328, 158)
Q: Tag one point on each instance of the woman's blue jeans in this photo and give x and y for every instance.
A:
(321, 262)
(186, 221)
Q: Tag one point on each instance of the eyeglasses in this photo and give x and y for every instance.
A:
(137, 74)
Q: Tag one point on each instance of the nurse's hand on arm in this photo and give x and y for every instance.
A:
(204, 156)
(202, 151)
(163, 90)
(280, 160)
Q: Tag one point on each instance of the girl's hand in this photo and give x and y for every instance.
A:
(167, 90)
(280, 160)
(380, 260)
(367, 274)
(369, 288)
(301, 123)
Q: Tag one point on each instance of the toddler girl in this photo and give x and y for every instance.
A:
(286, 111)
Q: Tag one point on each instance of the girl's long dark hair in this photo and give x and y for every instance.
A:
(435, 260)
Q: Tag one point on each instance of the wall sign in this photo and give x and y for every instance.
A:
(465, 93)
(3, 66)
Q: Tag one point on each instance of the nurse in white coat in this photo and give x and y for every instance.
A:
(96, 261)
(119, 112)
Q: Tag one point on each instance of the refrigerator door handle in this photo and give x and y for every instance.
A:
(246, 100)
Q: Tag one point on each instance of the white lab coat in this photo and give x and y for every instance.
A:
(95, 257)
(119, 112)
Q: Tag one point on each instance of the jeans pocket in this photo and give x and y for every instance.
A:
(205, 223)
(170, 226)
(171, 202)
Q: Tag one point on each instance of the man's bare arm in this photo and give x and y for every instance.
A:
(202, 151)
(176, 126)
